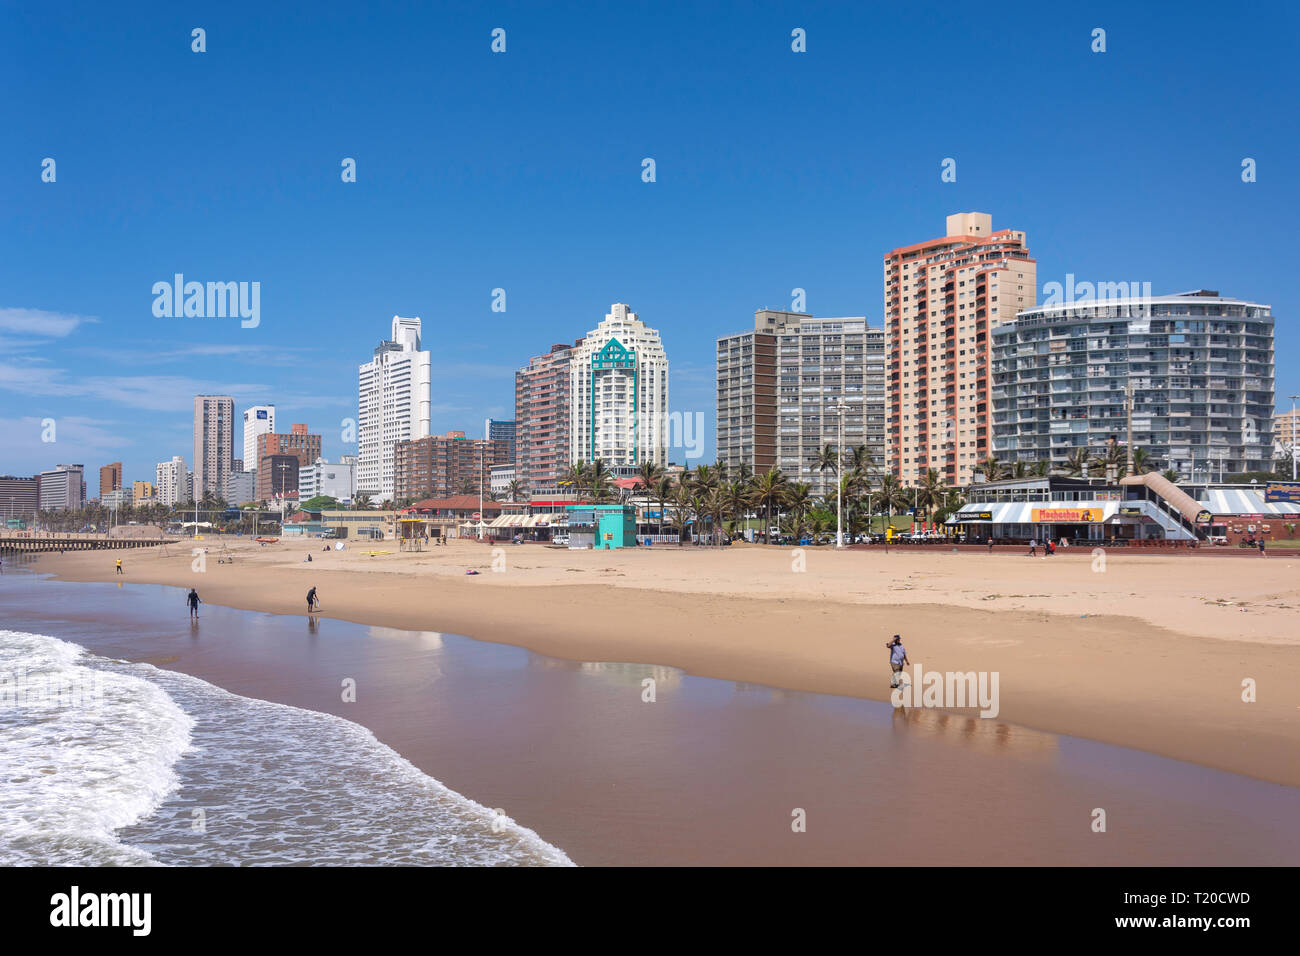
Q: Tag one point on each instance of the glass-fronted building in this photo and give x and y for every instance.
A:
(1201, 367)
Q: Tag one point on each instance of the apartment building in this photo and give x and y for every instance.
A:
(214, 433)
(439, 466)
(542, 418)
(619, 393)
(1200, 365)
(394, 405)
(783, 388)
(942, 299)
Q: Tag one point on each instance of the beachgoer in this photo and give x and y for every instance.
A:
(192, 599)
(1033, 547)
(1261, 548)
(311, 600)
(119, 565)
(897, 658)
(990, 544)
(309, 557)
(1049, 547)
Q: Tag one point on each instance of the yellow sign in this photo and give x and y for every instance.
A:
(609, 536)
(889, 533)
(1068, 515)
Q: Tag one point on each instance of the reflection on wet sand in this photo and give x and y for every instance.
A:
(976, 733)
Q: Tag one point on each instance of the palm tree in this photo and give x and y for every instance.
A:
(599, 479)
(768, 489)
(514, 489)
(891, 495)
(1076, 461)
(1042, 468)
(648, 474)
(1112, 461)
(362, 502)
(990, 468)
(798, 498)
(576, 477)
(663, 491)
(736, 498)
(1170, 475)
(828, 459)
(683, 505)
(1141, 461)
(931, 491)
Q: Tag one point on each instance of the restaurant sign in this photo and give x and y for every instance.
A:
(1282, 491)
(1068, 515)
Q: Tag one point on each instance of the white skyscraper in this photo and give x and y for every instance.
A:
(394, 400)
(172, 484)
(258, 420)
(619, 393)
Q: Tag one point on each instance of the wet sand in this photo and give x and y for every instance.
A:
(711, 771)
(1122, 654)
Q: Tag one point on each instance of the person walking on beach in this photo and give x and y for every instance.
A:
(1033, 547)
(119, 565)
(1261, 548)
(311, 600)
(897, 658)
(990, 544)
(192, 599)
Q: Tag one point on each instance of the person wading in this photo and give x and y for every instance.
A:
(897, 659)
(192, 599)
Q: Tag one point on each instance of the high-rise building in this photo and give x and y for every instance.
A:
(439, 466)
(619, 393)
(214, 434)
(1200, 365)
(394, 397)
(542, 418)
(172, 482)
(1286, 436)
(298, 442)
(497, 430)
(19, 497)
(277, 477)
(110, 479)
(258, 420)
(780, 388)
(942, 298)
(63, 488)
(323, 478)
(241, 487)
(142, 492)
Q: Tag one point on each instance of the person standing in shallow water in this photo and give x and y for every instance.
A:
(192, 599)
(897, 658)
(311, 600)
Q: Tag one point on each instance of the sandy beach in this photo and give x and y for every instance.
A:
(1148, 652)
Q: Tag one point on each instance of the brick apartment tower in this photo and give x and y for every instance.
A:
(272, 448)
(542, 419)
(110, 479)
(942, 297)
(440, 466)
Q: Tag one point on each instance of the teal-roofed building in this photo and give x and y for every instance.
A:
(601, 526)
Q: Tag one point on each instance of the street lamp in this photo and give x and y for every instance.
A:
(1293, 448)
(840, 407)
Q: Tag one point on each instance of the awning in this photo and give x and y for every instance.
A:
(1036, 512)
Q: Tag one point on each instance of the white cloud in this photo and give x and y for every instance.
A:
(42, 324)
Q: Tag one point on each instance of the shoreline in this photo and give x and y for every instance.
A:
(1110, 678)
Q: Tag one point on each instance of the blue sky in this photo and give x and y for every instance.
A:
(522, 170)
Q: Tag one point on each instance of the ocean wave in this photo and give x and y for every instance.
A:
(169, 769)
